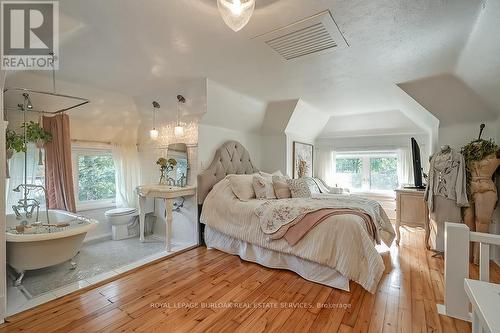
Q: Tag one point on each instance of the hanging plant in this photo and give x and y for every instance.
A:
(476, 151)
(14, 143)
(36, 134)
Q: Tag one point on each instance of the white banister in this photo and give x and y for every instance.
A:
(456, 269)
(484, 262)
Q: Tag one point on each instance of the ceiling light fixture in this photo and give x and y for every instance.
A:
(179, 127)
(236, 13)
(153, 133)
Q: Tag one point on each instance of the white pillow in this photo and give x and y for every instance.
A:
(263, 187)
(270, 175)
(242, 186)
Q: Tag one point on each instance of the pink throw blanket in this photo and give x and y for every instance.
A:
(304, 223)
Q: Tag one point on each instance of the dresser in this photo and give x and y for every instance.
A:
(412, 211)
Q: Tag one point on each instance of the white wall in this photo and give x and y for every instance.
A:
(109, 117)
(210, 138)
(3, 275)
(458, 135)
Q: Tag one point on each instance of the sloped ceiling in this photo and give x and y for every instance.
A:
(449, 99)
(479, 64)
(132, 46)
(381, 123)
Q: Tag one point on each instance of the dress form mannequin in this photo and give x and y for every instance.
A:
(479, 215)
(445, 193)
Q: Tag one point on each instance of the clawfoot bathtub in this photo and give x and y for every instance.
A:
(40, 244)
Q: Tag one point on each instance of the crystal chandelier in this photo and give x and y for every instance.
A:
(236, 13)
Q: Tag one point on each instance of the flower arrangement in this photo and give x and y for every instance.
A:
(165, 166)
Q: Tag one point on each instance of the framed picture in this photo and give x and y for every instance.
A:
(302, 159)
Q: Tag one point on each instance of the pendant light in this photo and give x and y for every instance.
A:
(153, 133)
(236, 13)
(179, 127)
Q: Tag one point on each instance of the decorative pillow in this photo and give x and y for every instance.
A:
(281, 188)
(263, 187)
(299, 188)
(270, 175)
(313, 186)
(242, 186)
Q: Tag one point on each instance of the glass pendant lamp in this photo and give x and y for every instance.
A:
(153, 133)
(236, 13)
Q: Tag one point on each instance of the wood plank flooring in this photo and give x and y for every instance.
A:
(174, 296)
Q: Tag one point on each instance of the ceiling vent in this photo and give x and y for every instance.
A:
(316, 34)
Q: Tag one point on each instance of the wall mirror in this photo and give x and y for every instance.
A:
(178, 151)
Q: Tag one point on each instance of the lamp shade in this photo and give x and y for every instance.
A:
(153, 134)
(236, 13)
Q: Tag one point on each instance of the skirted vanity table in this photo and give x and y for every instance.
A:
(168, 194)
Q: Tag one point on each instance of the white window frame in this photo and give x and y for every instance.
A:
(76, 152)
(365, 158)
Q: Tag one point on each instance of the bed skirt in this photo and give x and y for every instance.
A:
(308, 270)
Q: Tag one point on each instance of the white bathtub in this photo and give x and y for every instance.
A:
(41, 246)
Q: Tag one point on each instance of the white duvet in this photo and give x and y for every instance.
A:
(340, 242)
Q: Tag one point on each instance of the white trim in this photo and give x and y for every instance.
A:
(86, 150)
(3, 260)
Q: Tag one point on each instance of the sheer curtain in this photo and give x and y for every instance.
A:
(127, 174)
(16, 167)
(325, 165)
(405, 168)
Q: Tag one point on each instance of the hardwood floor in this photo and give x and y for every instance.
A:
(168, 297)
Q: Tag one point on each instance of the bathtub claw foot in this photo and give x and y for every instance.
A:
(73, 265)
(19, 279)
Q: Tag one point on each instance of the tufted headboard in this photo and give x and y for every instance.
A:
(230, 158)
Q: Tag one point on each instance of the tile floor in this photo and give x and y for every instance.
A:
(20, 299)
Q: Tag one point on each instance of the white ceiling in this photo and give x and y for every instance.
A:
(391, 122)
(138, 47)
(142, 49)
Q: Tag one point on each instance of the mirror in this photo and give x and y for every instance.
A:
(178, 151)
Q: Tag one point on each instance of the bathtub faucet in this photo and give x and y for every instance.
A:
(29, 205)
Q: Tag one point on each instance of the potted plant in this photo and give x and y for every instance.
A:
(165, 166)
(36, 134)
(14, 143)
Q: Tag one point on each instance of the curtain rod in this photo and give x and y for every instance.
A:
(91, 141)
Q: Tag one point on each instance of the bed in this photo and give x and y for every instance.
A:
(332, 253)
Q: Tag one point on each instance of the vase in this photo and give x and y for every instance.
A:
(163, 177)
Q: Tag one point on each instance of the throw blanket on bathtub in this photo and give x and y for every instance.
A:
(274, 214)
(296, 230)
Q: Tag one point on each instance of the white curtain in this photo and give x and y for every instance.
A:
(127, 175)
(405, 166)
(16, 169)
(325, 165)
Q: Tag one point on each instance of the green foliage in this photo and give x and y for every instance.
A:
(383, 173)
(348, 165)
(96, 177)
(14, 141)
(34, 133)
(476, 151)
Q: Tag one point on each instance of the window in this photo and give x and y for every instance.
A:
(372, 172)
(94, 171)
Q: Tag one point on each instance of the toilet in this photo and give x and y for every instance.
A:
(121, 219)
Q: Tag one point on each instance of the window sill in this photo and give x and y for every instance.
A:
(378, 194)
(94, 206)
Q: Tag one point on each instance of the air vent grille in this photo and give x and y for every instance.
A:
(318, 33)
